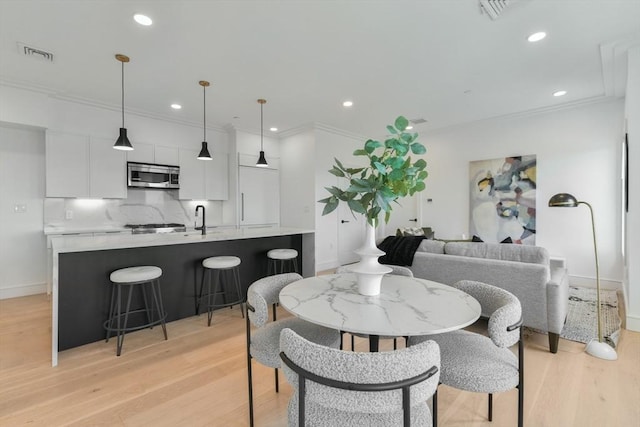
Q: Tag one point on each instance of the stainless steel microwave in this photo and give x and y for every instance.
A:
(148, 175)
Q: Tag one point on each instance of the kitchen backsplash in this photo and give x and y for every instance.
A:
(140, 207)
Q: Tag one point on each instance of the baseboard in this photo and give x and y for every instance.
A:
(633, 323)
(23, 290)
(322, 266)
(590, 282)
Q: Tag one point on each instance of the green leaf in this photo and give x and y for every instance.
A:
(353, 171)
(360, 152)
(338, 163)
(417, 148)
(401, 123)
(396, 175)
(419, 186)
(392, 130)
(420, 164)
(387, 216)
(423, 175)
(371, 145)
(406, 137)
(330, 207)
(337, 172)
(402, 149)
(366, 199)
(380, 167)
(325, 200)
(334, 191)
(356, 206)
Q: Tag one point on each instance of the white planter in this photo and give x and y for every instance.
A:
(369, 271)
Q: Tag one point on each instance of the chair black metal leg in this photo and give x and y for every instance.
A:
(341, 339)
(121, 332)
(353, 343)
(434, 410)
(250, 380)
(395, 344)
(277, 382)
(490, 406)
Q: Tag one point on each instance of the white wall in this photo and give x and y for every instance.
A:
(330, 144)
(577, 152)
(297, 180)
(23, 245)
(632, 112)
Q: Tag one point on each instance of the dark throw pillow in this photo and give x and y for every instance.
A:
(476, 239)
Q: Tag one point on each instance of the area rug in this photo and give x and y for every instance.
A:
(582, 319)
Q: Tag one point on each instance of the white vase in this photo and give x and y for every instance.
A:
(369, 271)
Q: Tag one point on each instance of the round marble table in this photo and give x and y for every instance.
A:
(406, 306)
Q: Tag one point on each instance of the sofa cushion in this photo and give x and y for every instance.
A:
(431, 246)
(519, 253)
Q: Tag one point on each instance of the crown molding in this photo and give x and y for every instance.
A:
(613, 57)
(527, 113)
(104, 106)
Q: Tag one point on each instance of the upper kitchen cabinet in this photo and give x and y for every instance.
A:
(107, 170)
(149, 153)
(216, 173)
(259, 195)
(81, 166)
(67, 164)
(203, 179)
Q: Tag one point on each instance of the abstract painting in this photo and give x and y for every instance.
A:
(503, 200)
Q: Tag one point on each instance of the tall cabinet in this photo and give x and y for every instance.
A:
(259, 194)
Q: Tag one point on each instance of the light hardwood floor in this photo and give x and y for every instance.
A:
(198, 378)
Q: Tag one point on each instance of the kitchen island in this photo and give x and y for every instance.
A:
(82, 264)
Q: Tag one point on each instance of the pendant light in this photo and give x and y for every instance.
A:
(262, 161)
(122, 143)
(204, 151)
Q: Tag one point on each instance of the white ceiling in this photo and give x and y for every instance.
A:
(443, 61)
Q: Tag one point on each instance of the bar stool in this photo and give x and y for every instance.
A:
(282, 257)
(145, 278)
(230, 265)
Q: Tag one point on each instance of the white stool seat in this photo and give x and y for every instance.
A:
(135, 274)
(221, 262)
(282, 254)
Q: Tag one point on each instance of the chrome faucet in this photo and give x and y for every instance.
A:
(204, 226)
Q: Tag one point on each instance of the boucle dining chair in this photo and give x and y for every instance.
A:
(263, 344)
(338, 388)
(477, 363)
(397, 270)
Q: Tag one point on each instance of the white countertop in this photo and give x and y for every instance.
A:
(74, 243)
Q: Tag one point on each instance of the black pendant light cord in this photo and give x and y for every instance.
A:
(261, 128)
(122, 93)
(204, 119)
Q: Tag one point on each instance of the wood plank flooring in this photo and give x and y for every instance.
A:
(198, 378)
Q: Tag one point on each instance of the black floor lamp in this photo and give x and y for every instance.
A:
(595, 348)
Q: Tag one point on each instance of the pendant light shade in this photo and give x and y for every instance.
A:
(123, 143)
(204, 151)
(262, 161)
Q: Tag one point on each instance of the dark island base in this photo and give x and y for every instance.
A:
(84, 288)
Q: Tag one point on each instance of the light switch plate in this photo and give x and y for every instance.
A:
(68, 214)
(20, 208)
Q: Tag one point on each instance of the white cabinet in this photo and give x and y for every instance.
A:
(107, 170)
(166, 155)
(191, 175)
(259, 195)
(149, 153)
(216, 174)
(83, 166)
(67, 165)
(142, 153)
(203, 179)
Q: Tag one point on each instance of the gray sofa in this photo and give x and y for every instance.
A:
(525, 271)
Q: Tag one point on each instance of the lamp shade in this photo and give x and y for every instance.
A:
(262, 161)
(204, 152)
(563, 200)
(123, 143)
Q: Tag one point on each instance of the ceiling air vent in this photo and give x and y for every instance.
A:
(35, 52)
(418, 121)
(493, 8)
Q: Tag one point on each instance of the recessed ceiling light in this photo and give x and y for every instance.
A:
(536, 37)
(273, 129)
(409, 127)
(347, 104)
(142, 19)
(560, 93)
(176, 106)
